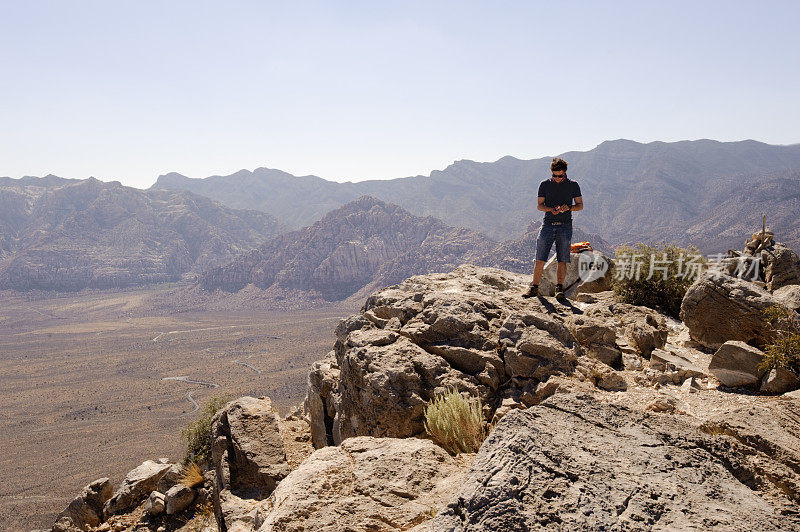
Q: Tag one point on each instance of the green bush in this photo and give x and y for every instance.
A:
(655, 275)
(456, 422)
(783, 349)
(197, 434)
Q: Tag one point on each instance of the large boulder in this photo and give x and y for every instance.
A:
(781, 266)
(136, 485)
(468, 330)
(86, 510)
(248, 456)
(719, 307)
(364, 484)
(788, 296)
(737, 364)
(178, 498)
(549, 467)
(587, 272)
(385, 387)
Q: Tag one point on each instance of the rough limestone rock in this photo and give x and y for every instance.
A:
(598, 338)
(248, 456)
(781, 266)
(737, 364)
(471, 330)
(170, 478)
(548, 468)
(598, 270)
(765, 447)
(136, 485)
(788, 296)
(178, 498)
(364, 484)
(662, 360)
(779, 380)
(86, 510)
(321, 400)
(155, 504)
(718, 308)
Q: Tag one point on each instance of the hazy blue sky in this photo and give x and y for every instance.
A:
(350, 90)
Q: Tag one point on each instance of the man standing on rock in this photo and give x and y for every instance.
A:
(556, 197)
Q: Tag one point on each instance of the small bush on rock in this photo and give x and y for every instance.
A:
(655, 276)
(455, 422)
(191, 475)
(197, 434)
(783, 349)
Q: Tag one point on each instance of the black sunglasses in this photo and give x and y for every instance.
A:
(560, 175)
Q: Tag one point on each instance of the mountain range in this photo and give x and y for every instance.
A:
(67, 234)
(675, 191)
(58, 234)
(367, 244)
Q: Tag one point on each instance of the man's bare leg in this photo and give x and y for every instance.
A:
(538, 269)
(561, 272)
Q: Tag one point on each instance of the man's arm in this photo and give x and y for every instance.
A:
(578, 203)
(541, 206)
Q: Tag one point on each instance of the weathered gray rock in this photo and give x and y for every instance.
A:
(779, 380)
(781, 266)
(322, 398)
(136, 485)
(600, 375)
(537, 345)
(86, 510)
(788, 296)
(549, 467)
(170, 478)
(597, 270)
(364, 484)
(248, 456)
(718, 308)
(155, 504)
(385, 388)
(65, 524)
(597, 338)
(178, 498)
(471, 330)
(764, 447)
(737, 364)
(669, 361)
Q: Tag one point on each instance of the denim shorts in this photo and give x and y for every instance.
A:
(561, 235)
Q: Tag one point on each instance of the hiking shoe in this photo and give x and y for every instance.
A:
(532, 291)
(559, 291)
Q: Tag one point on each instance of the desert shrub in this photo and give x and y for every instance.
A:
(455, 422)
(197, 434)
(783, 348)
(191, 475)
(655, 275)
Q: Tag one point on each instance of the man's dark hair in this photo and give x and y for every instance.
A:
(558, 164)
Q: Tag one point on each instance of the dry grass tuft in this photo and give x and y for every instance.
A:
(191, 475)
(455, 422)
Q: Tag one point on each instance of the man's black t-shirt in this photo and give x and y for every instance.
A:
(556, 194)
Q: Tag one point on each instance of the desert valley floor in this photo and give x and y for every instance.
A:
(92, 384)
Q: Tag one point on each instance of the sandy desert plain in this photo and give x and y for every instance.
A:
(91, 383)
